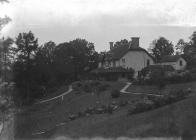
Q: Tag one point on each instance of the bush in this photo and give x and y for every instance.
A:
(115, 93)
(180, 76)
(123, 103)
(86, 87)
(90, 110)
(110, 109)
(131, 110)
(158, 100)
(102, 87)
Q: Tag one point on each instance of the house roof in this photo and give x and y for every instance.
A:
(119, 52)
(158, 67)
(171, 58)
(109, 70)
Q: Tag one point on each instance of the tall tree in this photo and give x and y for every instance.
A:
(6, 56)
(26, 47)
(4, 20)
(84, 57)
(181, 44)
(162, 47)
(45, 65)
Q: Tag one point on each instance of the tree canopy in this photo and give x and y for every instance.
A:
(122, 43)
(161, 47)
(4, 20)
(38, 69)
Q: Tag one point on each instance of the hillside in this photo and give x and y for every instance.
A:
(173, 120)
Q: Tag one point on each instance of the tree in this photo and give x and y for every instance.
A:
(26, 48)
(180, 46)
(122, 43)
(5, 20)
(162, 47)
(45, 68)
(84, 57)
(193, 39)
(6, 56)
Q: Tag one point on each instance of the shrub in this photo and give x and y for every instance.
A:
(131, 110)
(158, 100)
(86, 87)
(142, 106)
(90, 110)
(123, 103)
(99, 110)
(81, 114)
(130, 76)
(115, 93)
(181, 76)
(102, 87)
(110, 109)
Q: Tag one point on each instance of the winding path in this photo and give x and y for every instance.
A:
(123, 90)
(59, 96)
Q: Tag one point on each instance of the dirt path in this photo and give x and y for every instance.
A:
(123, 90)
(56, 97)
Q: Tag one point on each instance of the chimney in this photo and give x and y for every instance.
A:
(111, 45)
(135, 42)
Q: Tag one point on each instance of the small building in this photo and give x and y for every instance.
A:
(126, 57)
(176, 61)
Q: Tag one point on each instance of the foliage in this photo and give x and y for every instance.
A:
(37, 70)
(102, 87)
(6, 58)
(153, 102)
(181, 44)
(122, 43)
(180, 77)
(156, 76)
(115, 93)
(24, 74)
(131, 74)
(161, 47)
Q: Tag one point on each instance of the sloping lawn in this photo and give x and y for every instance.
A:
(177, 119)
(171, 120)
(155, 90)
(44, 117)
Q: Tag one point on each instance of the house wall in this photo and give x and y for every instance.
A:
(136, 60)
(132, 59)
(176, 65)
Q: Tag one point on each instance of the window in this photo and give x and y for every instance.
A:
(123, 60)
(181, 63)
(148, 62)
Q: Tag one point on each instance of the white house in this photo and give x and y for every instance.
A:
(176, 61)
(133, 57)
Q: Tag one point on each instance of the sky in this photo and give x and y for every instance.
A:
(101, 21)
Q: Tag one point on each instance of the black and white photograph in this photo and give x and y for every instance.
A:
(97, 69)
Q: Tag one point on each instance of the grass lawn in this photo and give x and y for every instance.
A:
(172, 120)
(47, 115)
(155, 90)
(55, 93)
(178, 119)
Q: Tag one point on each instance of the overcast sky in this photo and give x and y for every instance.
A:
(101, 21)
